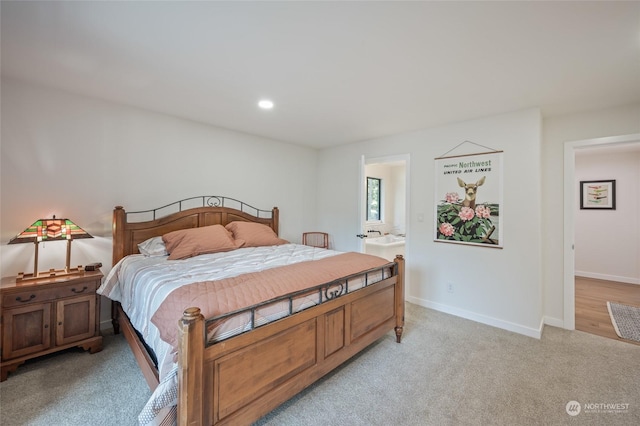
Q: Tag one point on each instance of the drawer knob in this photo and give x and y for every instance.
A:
(19, 299)
(79, 291)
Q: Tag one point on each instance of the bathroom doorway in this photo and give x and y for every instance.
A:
(384, 212)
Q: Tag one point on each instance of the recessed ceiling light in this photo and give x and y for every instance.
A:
(265, 104)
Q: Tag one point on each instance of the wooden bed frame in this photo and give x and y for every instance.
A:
(239, 380)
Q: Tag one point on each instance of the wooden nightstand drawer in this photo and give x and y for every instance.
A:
(34, 295)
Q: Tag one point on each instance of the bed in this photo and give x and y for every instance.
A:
(233, 367)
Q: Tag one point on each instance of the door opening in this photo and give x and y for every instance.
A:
(570, 189)
(384, 212)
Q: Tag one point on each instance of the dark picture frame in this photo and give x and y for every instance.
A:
(598, 194)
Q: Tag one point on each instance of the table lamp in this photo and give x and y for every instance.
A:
(50, 230)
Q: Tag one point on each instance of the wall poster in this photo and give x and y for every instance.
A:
(468, 199)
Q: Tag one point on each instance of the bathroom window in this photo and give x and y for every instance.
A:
(373, 199)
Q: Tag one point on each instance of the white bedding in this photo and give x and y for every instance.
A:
(141, 284)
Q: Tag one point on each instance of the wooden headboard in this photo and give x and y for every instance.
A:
(132, 228)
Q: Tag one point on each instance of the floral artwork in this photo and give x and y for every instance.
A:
(468, 199)
(459, 223)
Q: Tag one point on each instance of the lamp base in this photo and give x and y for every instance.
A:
(51, 273)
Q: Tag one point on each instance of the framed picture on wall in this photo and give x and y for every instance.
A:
(598, 195)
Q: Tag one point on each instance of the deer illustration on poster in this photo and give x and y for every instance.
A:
(470, 191)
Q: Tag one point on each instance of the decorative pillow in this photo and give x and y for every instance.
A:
(194, 241)
(254, 234)
(154, 246)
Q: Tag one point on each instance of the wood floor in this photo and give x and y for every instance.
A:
(592, 295)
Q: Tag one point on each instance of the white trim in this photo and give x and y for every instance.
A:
(483, 319)
(554, 322)
(594, 275)
(569, 237)
(569, 216)
(387, 159)
(361, 204)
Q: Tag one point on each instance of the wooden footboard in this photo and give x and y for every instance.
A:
(238, 380)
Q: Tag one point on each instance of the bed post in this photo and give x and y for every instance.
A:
(399, 297)
(119, 218)
(275, 220)
(190, 367)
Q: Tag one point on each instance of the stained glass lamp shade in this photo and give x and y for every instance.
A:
(44, 230)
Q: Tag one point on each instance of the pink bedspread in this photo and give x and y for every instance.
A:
(229, 294)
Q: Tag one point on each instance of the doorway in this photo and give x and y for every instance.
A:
(384, 211)
(569, 214)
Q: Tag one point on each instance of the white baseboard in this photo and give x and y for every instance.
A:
(106, 325)
(628, 280)
(554, 322)
(483, 319)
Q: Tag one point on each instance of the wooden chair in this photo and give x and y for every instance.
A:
(316, 239)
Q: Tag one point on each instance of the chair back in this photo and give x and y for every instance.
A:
(316, 239)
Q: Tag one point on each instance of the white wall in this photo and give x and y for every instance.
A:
(78, 157)
(498, 287)
(607, 242)
(557, 131)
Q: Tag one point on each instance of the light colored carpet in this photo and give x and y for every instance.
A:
(452, 371)
(76, 388)
(626, 320)
(447, 371)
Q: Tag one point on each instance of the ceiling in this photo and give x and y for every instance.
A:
(338, 72)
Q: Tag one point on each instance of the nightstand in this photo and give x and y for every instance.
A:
(47, 316)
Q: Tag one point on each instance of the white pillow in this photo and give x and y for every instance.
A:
(153, 247)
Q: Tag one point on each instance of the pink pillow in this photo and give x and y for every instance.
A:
(191, 242)
(254, 234)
